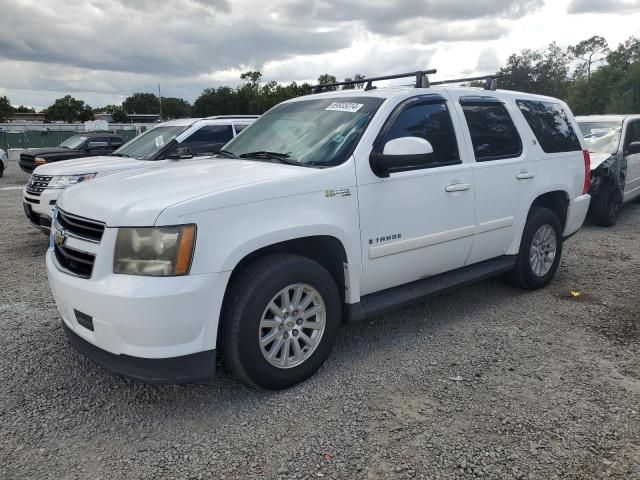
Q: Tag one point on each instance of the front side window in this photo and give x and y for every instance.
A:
(74, 142)
(550, 125)
(431, 121)
(633, 134)
(319, 132)
(493, 134)
(147, 145)
(601, 137)
(208, 139)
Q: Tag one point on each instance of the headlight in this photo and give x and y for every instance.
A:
(155, 251)
(64, 181)
(39, 160)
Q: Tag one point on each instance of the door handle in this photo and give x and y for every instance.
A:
(457, 187)
(525, 175)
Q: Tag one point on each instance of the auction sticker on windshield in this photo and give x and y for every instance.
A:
(159, 141)
(345, 107)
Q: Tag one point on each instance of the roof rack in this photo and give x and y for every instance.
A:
(490, 81)
(421, 80)
(231, 117)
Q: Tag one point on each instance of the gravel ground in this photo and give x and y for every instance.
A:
(487, 382)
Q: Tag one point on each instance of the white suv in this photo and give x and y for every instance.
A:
(169, 141)
(330, 207)
(614, 143)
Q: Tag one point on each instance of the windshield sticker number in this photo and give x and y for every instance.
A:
(159, 141)
(345, 107)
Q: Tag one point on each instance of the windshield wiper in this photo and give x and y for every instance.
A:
(120, 155)
(227, 153)
(279, 157)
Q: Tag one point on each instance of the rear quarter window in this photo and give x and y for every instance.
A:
(551, 126)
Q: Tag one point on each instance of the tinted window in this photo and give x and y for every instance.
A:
(550, 125)
(239, 128)
(432, 122)
(493, 134)
(208, 139)
(116, 142)
(103, 142)
(633, 134)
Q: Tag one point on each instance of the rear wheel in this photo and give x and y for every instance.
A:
(540, 250)
(1, 169)
(280, 321)
(605, 208)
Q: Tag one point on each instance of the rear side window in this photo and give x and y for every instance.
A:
(240, 127)
(208, 139)
(493, 134)
(431, 121)
(550, 125)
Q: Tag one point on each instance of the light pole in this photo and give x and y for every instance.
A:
(160, 98)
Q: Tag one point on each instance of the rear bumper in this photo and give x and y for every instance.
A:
(184, 369)
(576, 214)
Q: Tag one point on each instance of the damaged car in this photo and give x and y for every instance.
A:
(614, 144)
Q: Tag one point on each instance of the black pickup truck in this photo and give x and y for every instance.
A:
(87, 144)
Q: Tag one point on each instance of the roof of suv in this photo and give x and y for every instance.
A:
(605, 118)
(402, 91)
(185, 122)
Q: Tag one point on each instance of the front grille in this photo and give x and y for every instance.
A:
(76, 262)
(84, 228)
(37, 184)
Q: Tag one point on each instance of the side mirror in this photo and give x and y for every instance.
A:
(634, 148)
(400, 154)
(96, 145)
(181, 153)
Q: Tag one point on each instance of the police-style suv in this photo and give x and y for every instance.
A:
(169, 141)
(330, 207)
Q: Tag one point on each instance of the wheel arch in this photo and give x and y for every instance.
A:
(556, 200)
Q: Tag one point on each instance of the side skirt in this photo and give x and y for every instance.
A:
(395, 297)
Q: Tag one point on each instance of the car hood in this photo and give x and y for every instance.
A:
(46, 150)
(137, 198)
(78, 166)
(598, 159)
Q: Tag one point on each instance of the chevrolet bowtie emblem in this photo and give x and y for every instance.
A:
(59, 238)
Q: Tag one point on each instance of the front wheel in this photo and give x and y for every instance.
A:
(280, 321)
(540, 250)
(605, 208)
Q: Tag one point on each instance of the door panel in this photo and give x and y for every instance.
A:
(416, 223)
(632, 185)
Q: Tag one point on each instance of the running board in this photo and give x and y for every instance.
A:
(392, 298)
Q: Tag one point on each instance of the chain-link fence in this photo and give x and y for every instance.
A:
(51, 135)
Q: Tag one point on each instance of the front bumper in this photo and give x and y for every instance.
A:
(137, 322)
(576, 214)
(184, 369)
(39, 208)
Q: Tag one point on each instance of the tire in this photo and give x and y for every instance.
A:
(1, 169)
(605, 208)
(523, 275)
(248, 317)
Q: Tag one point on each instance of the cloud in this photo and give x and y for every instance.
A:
(488, 61)
(604, 6)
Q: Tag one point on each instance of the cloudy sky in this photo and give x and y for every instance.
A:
(101, 51)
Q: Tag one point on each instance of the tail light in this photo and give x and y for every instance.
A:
(587, 171)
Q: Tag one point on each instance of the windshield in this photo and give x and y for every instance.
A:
(145, 146)
(601, 137)
(319, 132)
(73, 142)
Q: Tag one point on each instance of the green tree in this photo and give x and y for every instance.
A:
(326, 79)
(175, 108)
(23, 109)
(589, 52)
(142, 103)
(68, 109)
(5, 109)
